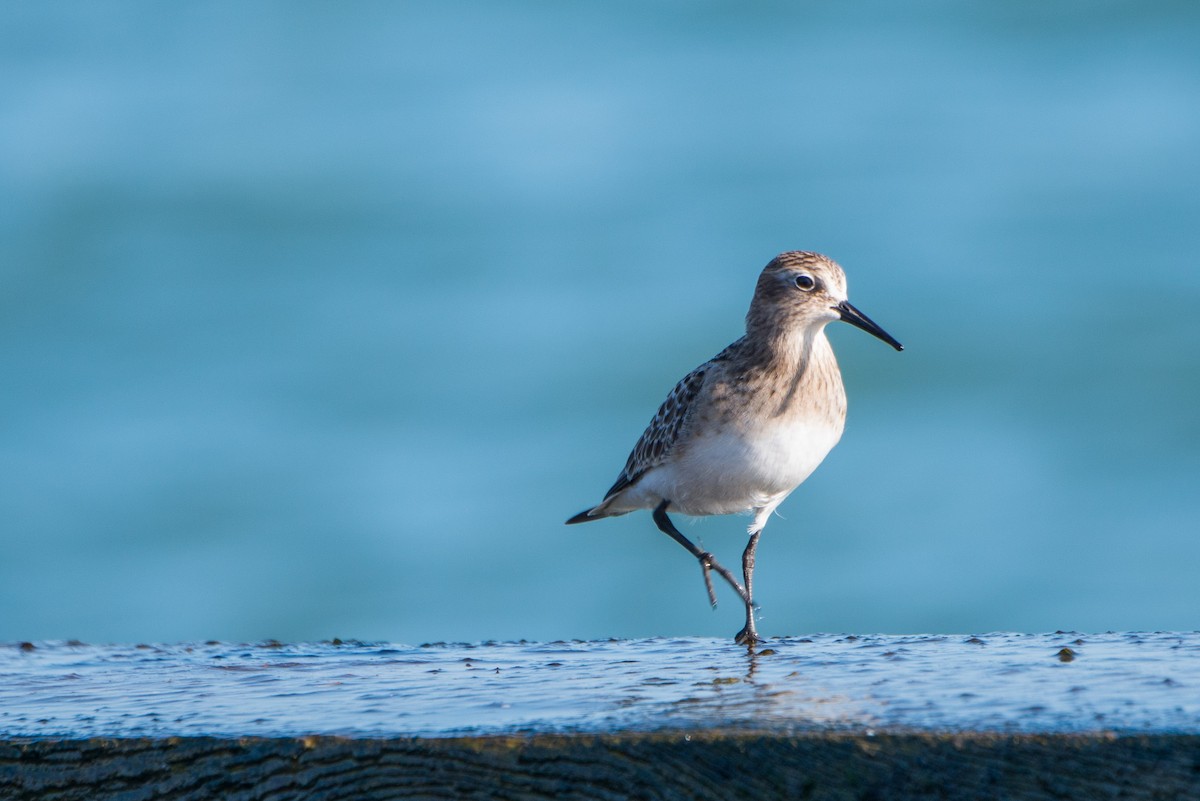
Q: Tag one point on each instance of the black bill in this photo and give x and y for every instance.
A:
(859, 320)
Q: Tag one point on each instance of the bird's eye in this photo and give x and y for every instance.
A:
(805, 282)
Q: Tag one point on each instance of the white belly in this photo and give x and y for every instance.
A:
(726, 473)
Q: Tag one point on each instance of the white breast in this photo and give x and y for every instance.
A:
(736, 471)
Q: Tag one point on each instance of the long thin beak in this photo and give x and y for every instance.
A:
(859, 320)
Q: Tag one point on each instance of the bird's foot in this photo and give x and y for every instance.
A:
(748, 637)
(709, 565)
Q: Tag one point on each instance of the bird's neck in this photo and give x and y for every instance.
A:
(794, 350)
(801, 361)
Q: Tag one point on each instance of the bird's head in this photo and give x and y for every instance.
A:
(799, 291)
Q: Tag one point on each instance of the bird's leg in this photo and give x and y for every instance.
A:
(707, 560)
(749, 635)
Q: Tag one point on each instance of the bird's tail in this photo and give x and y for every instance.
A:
(583, 517)
(595, 513)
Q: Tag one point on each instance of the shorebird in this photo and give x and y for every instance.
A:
(747, 427)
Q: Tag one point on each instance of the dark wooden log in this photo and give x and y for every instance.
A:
(651, 766)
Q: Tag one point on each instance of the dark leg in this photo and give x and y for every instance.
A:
(707, 561)
(749, 635)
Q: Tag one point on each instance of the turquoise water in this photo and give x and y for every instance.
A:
(319, 321)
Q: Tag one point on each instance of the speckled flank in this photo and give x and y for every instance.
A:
(664, 430)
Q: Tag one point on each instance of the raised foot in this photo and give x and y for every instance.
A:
(706, 563)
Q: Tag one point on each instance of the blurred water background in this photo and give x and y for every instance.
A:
(318, 320)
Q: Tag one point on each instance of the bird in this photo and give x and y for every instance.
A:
(740, 432)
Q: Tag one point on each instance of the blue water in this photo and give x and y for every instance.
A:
(318, 321)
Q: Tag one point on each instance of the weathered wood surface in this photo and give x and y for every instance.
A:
(641, 766)
(993, 716)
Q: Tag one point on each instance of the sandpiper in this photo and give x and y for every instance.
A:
(747, 427)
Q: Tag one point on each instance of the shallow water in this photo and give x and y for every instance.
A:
(996, 682)
(319, 323)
